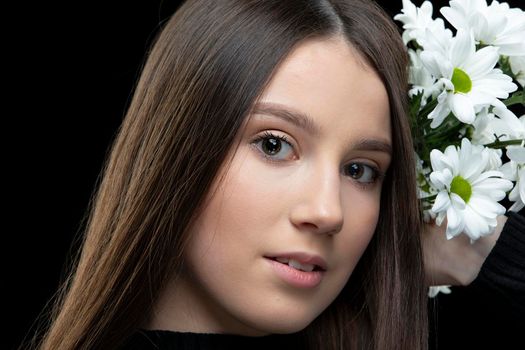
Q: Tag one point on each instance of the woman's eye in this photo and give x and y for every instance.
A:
(274, 147)
(362, 172)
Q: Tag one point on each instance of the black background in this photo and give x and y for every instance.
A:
(69, 77)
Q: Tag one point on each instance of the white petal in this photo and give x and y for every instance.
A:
(482, 62)
(492, 184)
(442, 202)
(457, 201)
(479, 97)
(435, 290)
(436, 64)
(493, 188)
(441, 179)
(472, 164)
(468, 168)
(486, 175)
(475, 226)
(462, 47)
(517, 154)
(454, 223)
(454, 17)
(452, 159)
(462, 108)
(453, 219)
(426, 8)
(440, 217)
(439, 114)
(510, 170)
(509, 118)
(436, 160)
(496, 84)
(480, 26)
(486, 207)
(438, 39)
(514, 194)
(465, 144)
(514, 49)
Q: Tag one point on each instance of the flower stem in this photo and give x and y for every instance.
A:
(503, 144)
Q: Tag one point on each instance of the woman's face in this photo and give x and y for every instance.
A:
(299, 192)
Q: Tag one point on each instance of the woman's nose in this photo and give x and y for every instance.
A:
(318, 206)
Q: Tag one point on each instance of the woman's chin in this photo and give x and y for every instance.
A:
(282, 325)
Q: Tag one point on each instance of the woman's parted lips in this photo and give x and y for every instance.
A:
(301, 257)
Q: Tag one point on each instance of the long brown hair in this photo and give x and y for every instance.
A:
(207, 67)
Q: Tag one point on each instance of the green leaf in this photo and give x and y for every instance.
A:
(517, 97)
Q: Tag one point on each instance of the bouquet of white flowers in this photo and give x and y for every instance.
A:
(470, 145)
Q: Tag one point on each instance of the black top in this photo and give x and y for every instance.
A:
(503, 273)
(497, 294)
(168, 340)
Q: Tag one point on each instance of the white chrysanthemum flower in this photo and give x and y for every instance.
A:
(496, 25)
(468, 194)
(435, 290)
(517, 66)
(469, 79)
(417, 20)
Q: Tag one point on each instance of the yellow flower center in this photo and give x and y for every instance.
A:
(461, 81)
(461, 187)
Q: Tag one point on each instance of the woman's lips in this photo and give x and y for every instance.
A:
(302, 258)
(294, 275)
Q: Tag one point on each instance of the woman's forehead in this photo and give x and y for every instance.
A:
(329, 85)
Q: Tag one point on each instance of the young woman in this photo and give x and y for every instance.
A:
(261, 183)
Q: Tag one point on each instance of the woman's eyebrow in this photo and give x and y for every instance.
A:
(305, 122)
(369, 144)
(295, 117)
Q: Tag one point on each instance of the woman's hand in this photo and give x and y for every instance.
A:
(455, 261)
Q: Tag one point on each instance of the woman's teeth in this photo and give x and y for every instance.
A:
(296, 264)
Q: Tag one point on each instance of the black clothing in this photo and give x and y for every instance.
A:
(167, 340)
(503, 272)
